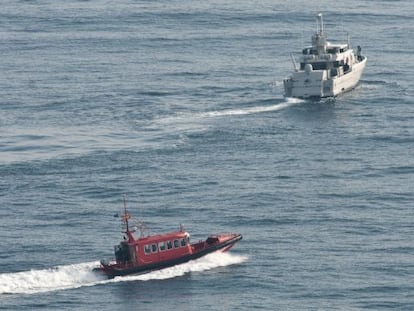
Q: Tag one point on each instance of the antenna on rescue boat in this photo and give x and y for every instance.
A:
(135, 225)
(125, 221)
(125, 216)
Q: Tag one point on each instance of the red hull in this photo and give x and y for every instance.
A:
(134, 256)
(192, 251)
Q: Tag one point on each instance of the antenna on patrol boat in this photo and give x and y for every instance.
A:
(319, 24)
(295, 66)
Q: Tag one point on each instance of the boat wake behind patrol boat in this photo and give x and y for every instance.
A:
(325, 69)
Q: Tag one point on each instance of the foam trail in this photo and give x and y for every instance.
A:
(189, 119)
(289, 102)
(205, 263)
(79, 275)
(57, 278)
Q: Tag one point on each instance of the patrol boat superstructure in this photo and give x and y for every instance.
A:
(325, 69)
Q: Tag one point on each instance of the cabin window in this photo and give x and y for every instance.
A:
(169, 244)
(183, 242)
(333, 50)
(320, 65)
(154, 248)
(161, 246)
(122, 253)
(176, 244)
(147, 249)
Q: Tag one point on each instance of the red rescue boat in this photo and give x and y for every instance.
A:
(147, 253)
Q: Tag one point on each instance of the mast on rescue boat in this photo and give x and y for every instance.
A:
(136, 225)
(125, 217)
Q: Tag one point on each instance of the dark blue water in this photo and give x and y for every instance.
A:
(179, 105)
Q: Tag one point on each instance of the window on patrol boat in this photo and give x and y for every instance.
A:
(176, 244)
(147, 249)
(169, 244)
(183, 242)
(333, 50)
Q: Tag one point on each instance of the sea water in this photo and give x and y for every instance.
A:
(179, 105)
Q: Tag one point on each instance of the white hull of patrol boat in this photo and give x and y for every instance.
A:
(348, 81)
(326, 69)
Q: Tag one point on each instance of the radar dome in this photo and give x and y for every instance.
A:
(308, 68)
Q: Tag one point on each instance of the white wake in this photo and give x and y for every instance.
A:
(243, 111)
(79, 275)
(193, 117)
